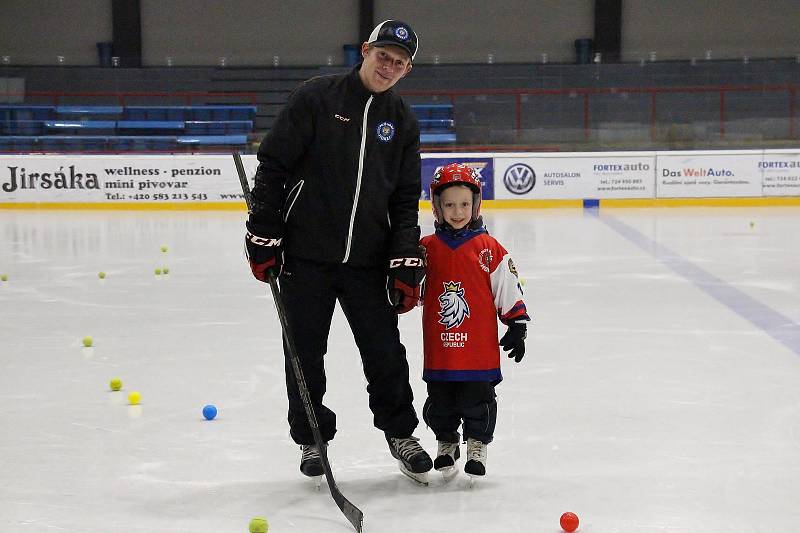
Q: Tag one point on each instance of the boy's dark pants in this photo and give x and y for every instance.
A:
(450, 402)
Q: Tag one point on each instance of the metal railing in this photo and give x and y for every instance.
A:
(588, 107)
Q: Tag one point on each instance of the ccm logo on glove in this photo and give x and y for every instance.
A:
(405, 279)
(407, 262)
(261, 241)
(265, 254)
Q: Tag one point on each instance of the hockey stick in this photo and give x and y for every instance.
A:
(350, 511)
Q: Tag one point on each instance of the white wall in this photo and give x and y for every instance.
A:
(34, 32)
(681, 29)
(305, 32)
(199, 32)
(519, 31)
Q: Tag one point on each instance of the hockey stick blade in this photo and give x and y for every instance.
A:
(350, 511)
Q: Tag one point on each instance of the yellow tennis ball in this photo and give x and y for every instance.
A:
(134, 398)
(101, 275)
(164, 249)
(522, 281)
(116, 384)
(752, 224)
(87, 341)
(165, 270)
(4, 277)
(259, 525)
(158, 272)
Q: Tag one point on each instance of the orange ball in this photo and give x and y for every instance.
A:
(569, 522)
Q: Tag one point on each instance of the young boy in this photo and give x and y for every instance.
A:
(470, 282)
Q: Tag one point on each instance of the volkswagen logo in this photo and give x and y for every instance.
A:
(519, 179)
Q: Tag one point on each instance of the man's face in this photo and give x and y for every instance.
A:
(383, 66)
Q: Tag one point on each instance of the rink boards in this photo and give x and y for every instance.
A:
(510, 180)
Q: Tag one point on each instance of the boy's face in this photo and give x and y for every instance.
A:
(383, 66)
(456, 204)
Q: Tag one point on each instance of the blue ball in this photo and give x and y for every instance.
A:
(209, 411)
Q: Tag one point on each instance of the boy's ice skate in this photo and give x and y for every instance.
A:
(311, 464)
(475, 466)
(414, 461)
(446, 456)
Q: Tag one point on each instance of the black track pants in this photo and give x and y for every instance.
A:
(310, 291)
(451, 402)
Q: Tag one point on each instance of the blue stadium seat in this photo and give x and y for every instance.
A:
(217, 140)
(437, 138)
(16, 143)
(89, 109)
(150, 124)
(73, 143)
(22, 127)
(218, 127)
(223, 112)
(436, 124)
(80, 127)
(143, 143)
(149, 112)
(149, 127)
(11, 112)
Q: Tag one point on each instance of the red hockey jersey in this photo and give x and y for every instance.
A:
(470, 282)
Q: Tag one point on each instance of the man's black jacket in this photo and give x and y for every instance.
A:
(339, 174)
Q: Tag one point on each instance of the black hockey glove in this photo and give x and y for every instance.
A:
(514, 340)
(264, 251)
(404, 284)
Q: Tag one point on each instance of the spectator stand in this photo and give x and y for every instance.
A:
(202, 127)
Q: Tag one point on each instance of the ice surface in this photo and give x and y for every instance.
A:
(644, 403)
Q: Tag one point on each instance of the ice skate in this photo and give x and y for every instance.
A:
(311, 463)
(475, 467)
(446, 456)
(413, 460)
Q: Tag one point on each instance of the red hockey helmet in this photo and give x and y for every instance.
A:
(455, 174)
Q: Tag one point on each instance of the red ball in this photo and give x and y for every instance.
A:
(569, 522)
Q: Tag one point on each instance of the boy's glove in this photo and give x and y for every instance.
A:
(514, 340)
(264, 251)
(404, 284)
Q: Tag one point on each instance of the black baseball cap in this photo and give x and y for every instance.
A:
(397, 33)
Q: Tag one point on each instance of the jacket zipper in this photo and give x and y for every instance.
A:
(358, 180)
(296, 190)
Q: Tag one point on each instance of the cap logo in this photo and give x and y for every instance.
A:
(401, 33)
(385, 131)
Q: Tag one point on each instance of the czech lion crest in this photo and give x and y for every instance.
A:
(454, 307)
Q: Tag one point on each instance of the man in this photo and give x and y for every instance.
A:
(334, 211)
